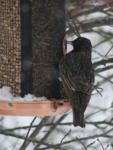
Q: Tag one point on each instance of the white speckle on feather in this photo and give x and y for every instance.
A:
(73, 89)
(59, 79)
(86, 83)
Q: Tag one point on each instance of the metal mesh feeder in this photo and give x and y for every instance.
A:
(31, 35)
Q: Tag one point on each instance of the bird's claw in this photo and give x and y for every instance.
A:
(55, 103)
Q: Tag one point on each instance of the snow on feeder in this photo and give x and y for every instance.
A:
(31, 35)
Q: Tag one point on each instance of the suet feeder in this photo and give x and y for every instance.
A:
(31, 35)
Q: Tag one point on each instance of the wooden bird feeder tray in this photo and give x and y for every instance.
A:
(34, 108)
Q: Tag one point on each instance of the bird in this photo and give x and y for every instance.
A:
(77, 76)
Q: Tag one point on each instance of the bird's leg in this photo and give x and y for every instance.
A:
(55, 103)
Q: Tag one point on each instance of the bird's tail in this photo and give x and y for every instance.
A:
(78, 118)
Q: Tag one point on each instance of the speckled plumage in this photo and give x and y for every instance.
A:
(77, 77)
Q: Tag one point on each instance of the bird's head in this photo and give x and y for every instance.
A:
(81, 44)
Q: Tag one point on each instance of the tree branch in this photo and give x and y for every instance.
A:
(51, 129)
(91, 137)
(29, 140)
(103, 69)
(91, 24)
(102, 62)
(35, 132)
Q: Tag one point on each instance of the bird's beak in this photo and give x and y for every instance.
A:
(69, 42)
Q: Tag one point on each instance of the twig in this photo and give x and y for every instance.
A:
(98, 92)
(29, 139)
(101, 42)
(35, 146)
(107, 146)
(91, 144)
(108, 51)
(103, 34)
(100, 123)
(29, 129)
(72, 27)
(91, 10)
(57, 145)
(67, 123)
(90, 137)
(100, 109)
(105, 57)
(35, 132)
(54, 125)
(65, 136)
(104, 69)
(77, 33)
(102, 62)
(104, 81)
(94, 23)
(111, 145)
(82, 143)
(100, 142)
(105, 78)
(47, 148)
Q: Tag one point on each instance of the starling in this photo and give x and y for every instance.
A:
(77, 75)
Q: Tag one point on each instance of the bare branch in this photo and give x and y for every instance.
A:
(100, 110)
(65, 136)
(100, 143)
(91, 143)
(107, 146)
(94, 23)
(90, 137)
(104, 81)
(102, 62)
(35, 132)
(98, 92)
(111, 145)
(86, 12)
(51, 129)
(82, 143)
(105, 78)
(29, 129)
(76, 29)
(29, 139)
(104, 57)
(103, 69)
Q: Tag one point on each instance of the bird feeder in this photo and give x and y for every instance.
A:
(31, 35)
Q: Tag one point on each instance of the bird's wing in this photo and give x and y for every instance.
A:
(76, 77)
(77, 83)
(73, 97)
(78, 99)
